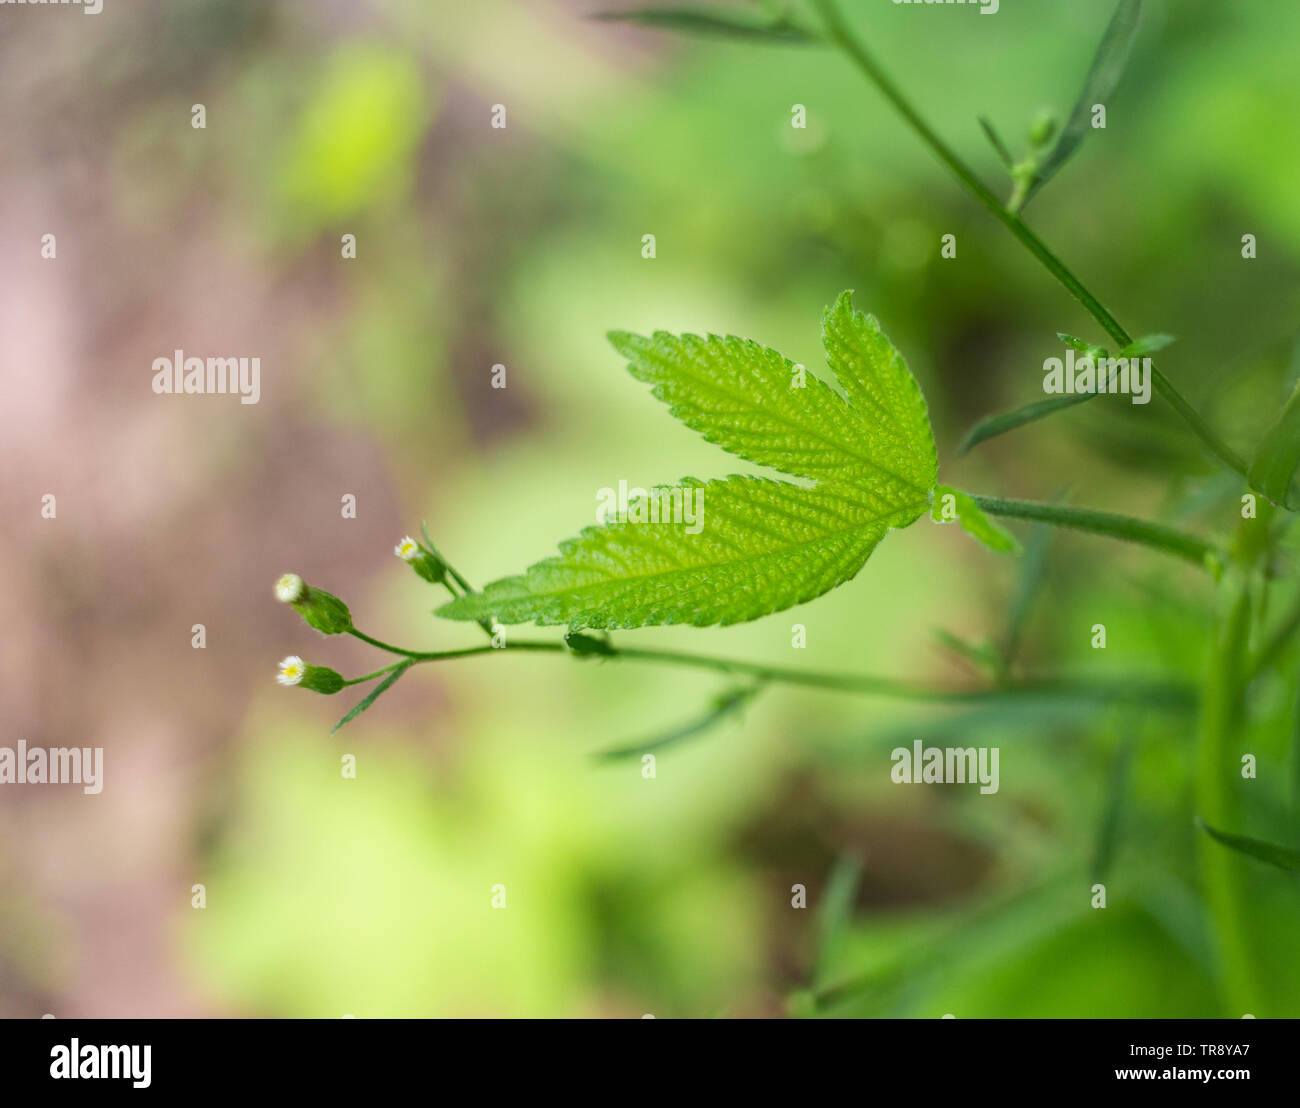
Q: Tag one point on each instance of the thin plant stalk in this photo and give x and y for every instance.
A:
(840, 35)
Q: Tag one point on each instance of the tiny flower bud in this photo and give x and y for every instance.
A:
(426, 564)
(322, 610)
(321, 679)
(1042, 129)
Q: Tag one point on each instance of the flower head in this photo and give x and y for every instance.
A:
(292, 670)
(321, 679)
(322, 610)
(290, 588)
(427, 564)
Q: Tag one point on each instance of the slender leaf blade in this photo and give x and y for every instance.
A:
(1147, 344)
(717, 22)
(1278, 456)
(1107, 843)
(723, 706)
(374, 694)
(965, 512)
(995, 140)
(1283, 857)
(990, 427)
(1099, 86)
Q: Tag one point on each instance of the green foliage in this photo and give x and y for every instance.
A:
(725, 704)
(1283, 857)
(374, 694)
(779, 29)
(990, 427)
(356, 138)
(763, 545)
(1278, 456)
(1098, 86)
(973, 521)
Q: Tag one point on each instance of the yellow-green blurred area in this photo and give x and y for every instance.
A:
(482, 862)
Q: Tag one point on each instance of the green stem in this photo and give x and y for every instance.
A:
(1275, 644)
(1158, 537)
(1168, 694)
(383, 645)
(1217, 769)
(455, 574)
(372, 676)
(840, 34)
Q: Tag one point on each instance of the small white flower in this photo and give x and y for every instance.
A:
(292, 670)
(407, 549)
(289, 588)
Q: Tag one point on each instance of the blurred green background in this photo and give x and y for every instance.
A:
(521, 246)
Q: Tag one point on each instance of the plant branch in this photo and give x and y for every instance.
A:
(372, 676)
(1217, 768)
(838, 32)
(383, 645)
(1169, 694)
(1179, 543)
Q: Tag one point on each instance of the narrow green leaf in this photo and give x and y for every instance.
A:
(1033, 568)
(837, 908)
(374, 694)
(724, 705)
(1295, 765)
(724, 22)
(1147, 344)
(1278, 456)
(1108, 828)
(733, 550)
(997, 143)
(1078, 344)
(1098, 86)
(954, 506)
(982, 656)
(1283, 857)
(990, 427)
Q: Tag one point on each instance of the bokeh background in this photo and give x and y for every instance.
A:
(522, 246)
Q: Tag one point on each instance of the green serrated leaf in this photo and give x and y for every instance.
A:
(1278, 456)
(765, 546)
(762, 407)
(724, 22)
(758, 545)
(1284, 857)
(1098, 87)
(374, 694)
(954, 506)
